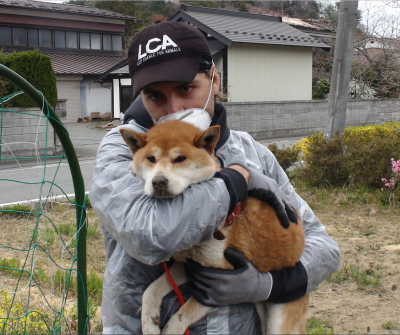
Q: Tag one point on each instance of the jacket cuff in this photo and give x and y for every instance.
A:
(289, 284)
(235, 184)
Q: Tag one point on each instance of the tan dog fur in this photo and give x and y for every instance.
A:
(256, 232)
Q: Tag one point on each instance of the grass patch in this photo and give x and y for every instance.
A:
(48, 236)
(95, 286)
(11, 266)
(316, 326)
(88, 205)
(363, 278)
(67, 228)
(60, 280)
(93, 231)
(391, 324)
(18, 210)
(92, 310)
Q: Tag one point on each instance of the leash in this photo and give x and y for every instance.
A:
(176, 289)
(229, 221)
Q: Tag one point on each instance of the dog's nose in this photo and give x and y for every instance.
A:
(159, 182)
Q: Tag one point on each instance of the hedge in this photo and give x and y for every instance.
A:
(35, 68)
(360, 157)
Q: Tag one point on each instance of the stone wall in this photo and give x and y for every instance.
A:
(24, 132)
(265, 120)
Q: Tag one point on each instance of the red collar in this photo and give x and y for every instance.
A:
(231, 218)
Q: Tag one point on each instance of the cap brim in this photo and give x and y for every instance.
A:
(181, 70)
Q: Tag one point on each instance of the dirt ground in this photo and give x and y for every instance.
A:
(362, 297)
(54, 249)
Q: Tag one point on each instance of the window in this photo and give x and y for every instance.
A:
(33, 37)
(107, 42)
(117, 42)
(5, 35)
(45, 38)
(84, 40)
(72, 40)
(19, 36)
(59, 39)
(95, 41)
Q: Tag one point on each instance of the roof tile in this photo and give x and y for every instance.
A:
(65, 8)
(82, 64)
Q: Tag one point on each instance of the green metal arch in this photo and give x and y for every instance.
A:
(78, 183)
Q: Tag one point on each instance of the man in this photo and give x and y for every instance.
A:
(172, 70)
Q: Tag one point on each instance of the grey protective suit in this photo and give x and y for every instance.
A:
(140, 232)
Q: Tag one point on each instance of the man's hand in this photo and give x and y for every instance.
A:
(217, 287)
(266, 189)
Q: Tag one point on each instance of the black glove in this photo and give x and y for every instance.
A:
(217, 287)
(267, 190)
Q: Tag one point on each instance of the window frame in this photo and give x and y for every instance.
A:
(37, 36)
(65, 39)
(13, 34)
(11, 30)
(51, 38)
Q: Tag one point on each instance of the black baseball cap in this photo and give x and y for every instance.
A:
(166, 51)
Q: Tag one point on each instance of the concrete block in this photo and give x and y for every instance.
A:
(21, 123)
(13, 131)
(7, 123)
(11, 115)
(34, 122)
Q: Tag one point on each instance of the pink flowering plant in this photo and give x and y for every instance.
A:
(390, 184)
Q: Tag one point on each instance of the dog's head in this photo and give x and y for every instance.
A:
(172, 156)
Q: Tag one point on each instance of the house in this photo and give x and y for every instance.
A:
(321, 29)
(258, 57)
(82, 42)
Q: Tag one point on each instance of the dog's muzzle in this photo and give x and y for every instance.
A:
(160, 187)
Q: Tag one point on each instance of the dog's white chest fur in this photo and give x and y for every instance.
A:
(209, 254)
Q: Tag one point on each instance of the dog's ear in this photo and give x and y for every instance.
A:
(134, 140)
(208, 139)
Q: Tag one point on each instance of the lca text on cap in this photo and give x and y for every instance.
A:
(166, 41)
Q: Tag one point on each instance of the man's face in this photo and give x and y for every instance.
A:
(165, 98)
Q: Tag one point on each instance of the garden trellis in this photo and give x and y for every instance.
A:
(38, 266)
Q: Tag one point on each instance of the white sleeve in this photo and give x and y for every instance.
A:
(149, 229)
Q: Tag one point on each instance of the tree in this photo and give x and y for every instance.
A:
(377, 58)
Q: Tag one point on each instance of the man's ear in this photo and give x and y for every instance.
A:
(208, 139)
(134, 140)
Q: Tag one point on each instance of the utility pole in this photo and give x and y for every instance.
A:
(340, 79)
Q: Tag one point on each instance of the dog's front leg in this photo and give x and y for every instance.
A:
(188, 314)
(152, 298)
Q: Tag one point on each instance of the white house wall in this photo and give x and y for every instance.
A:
(68, 87)
(98, 98)
(269, 73)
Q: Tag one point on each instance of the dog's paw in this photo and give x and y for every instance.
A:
(151, 324)
(176, 325)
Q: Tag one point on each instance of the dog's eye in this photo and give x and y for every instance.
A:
(151, 159)
(179, 159)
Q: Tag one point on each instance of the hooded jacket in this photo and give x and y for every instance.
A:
(141, 232)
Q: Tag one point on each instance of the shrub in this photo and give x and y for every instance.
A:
(361, 156)
(36, 69)
(286, 156)
(324, 160)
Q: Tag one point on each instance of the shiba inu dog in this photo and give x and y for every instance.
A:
(169, 158)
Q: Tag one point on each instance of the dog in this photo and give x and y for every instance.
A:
(169, 158)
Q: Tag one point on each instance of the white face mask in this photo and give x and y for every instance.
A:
(198, 117)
